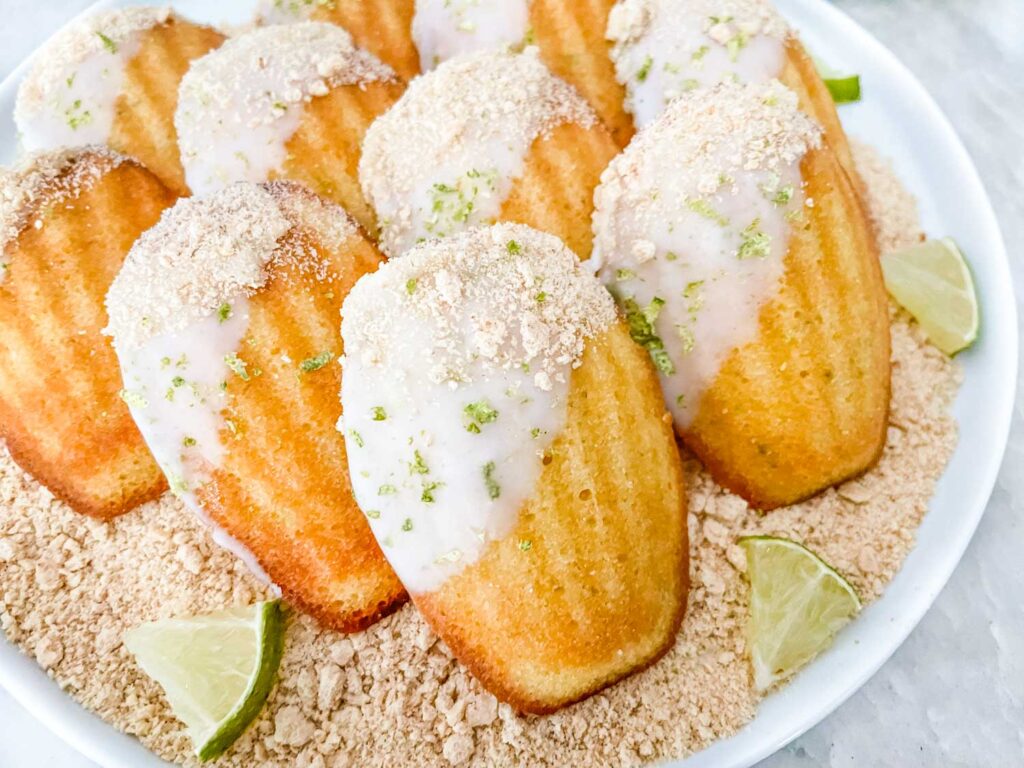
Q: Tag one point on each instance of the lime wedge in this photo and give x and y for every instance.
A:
(216, 670)
(844, 90)
(797, 604)
(932, 282)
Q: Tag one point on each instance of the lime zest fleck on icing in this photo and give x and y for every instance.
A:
(702, 207)
(427, 496)
(418, 466)
(378, 413)
(493, 489)
(645, 69)
(108, 44)
(479, 413)
(641, 330)
(237, 365)
(755, 244)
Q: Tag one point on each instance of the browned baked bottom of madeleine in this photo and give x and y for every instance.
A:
(324, 151)
(591, 584)
(283, 486)
(143, 124)
(805, 405)
(60, 412)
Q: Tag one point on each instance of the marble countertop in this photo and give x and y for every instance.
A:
(953, 694)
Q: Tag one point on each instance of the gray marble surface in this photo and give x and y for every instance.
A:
(953, 695)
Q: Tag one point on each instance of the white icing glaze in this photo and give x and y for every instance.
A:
(663, 48)
(429, 420)
(69, 95)
(443, 29)
(174, 385)
(446, 155)
(455, 381)
(692, 224)
(239, 105)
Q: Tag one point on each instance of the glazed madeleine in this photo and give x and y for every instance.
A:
(664, 48)
(485, 137)
(112, 78)
(737, 247)
(67, 220)
(224, 319)
(509, 446)
(287, 101)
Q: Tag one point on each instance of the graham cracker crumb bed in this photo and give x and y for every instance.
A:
(393, 695)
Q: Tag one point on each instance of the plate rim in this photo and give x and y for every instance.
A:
(31, 687)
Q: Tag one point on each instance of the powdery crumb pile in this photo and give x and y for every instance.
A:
(393, 695)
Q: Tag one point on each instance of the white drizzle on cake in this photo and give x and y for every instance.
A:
(663, 48)
(46, 178)
(455, 381)
(239, 105)
(445, 156)
(179, 310)
(68, 97)
(443, 29)
(692, 224)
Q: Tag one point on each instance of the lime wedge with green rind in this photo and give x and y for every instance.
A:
(216, 669)
(844, 90)
(932, 281)
(798, 603)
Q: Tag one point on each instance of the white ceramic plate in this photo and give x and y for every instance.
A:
(899, 118)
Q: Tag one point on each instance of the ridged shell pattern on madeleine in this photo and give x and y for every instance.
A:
(510, 449)
(67, 220)
(287, 101)
(737, 247)
(224, 319)
(112, 78)
(382, 27)
(485, 137)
